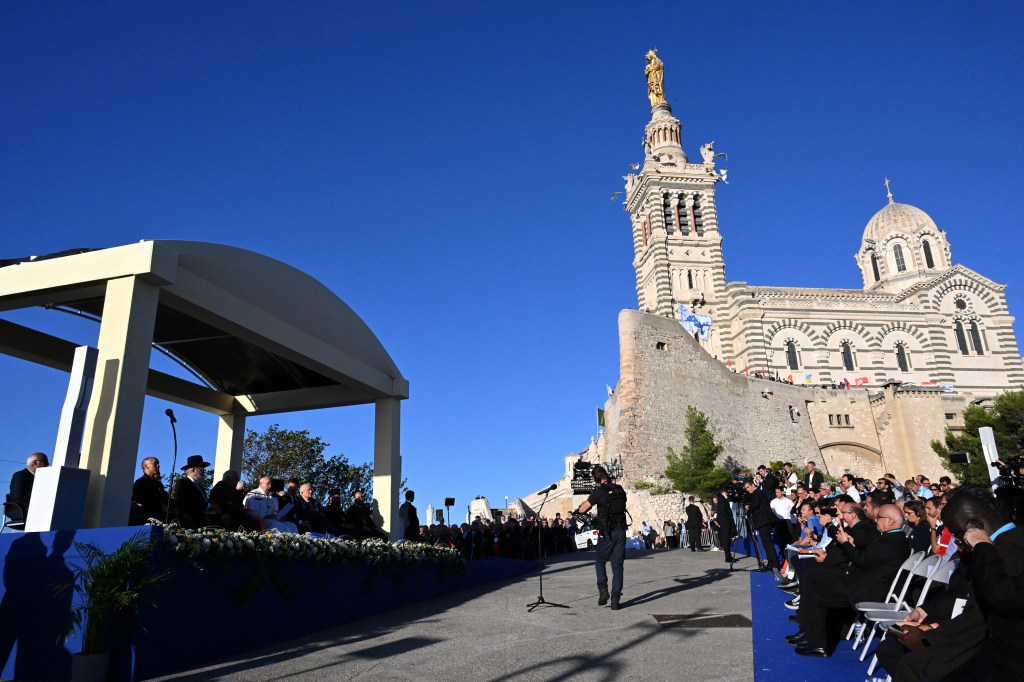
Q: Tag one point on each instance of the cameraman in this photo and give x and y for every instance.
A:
(610, 500)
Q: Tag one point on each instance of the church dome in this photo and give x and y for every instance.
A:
(895, 218)
(901, 244)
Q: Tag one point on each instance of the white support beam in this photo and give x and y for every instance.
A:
(115, 409)
(387, 462)
(230, 439)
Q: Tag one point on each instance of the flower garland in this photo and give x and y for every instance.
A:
(217, 542)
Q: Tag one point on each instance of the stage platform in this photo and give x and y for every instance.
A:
(232, 606)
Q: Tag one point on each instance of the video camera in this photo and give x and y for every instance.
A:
(1010, 472)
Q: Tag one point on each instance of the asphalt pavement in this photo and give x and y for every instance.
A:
(684, 615)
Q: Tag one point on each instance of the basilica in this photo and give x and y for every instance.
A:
(859, 380)
(919, 318)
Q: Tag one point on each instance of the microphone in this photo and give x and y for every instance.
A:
(170, 415)
(550, 488)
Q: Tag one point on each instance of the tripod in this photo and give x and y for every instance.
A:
(762, 564)
(540, 558)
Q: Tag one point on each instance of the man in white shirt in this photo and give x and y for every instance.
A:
(848, 486)
(789, 478)
(263, 506)
(782, 506)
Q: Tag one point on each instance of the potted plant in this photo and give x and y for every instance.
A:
(109, 589)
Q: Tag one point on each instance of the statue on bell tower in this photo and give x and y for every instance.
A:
(655, 72)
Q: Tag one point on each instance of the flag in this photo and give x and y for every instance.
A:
(694, 323)
(860, 381)
(611, 391)
(846, 382)
(929, 383)
(746, 369)
(947, 388)
(600, 417)
(807, 378)
(790, 378)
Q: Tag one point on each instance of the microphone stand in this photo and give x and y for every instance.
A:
(174, 464)
(540, 556)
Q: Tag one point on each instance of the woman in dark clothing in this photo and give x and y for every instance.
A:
(920, 531)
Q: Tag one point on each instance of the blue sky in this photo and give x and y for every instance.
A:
(446, 169)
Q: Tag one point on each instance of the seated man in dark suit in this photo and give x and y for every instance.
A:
(149, 498)
(308, 513)
(227, 500)
(867, 578)
(21, 485)
(359, 520)
(830, 513)
(189, 494)
(969, 627)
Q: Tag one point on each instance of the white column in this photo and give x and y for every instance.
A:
(230, 439)
(114, 417)
(387, 462)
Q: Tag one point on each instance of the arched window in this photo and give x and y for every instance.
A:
(928, 260)
(874, 266)
(961, 339)
(791, 355)
(901, 358)
(689, 278)
(976, 338)
(897, 254)
(669, 213)
(847, 357)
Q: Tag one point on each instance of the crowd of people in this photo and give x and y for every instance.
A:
(844, 544)
(286, 505)
(831, 545)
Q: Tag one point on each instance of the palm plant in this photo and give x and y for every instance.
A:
(110, 589)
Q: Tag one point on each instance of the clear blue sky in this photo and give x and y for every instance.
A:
(446, 169)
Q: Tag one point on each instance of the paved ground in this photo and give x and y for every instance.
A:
(487, 633)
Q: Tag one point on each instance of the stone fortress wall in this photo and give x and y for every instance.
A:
(663, 370)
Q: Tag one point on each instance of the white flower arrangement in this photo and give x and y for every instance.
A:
(217, 542)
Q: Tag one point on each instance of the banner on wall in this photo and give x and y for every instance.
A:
(694, 323)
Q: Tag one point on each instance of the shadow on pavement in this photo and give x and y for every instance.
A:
(682, 584)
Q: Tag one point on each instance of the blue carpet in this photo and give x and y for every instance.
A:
(775, 660)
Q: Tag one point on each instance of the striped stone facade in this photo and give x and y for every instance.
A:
(919, 318)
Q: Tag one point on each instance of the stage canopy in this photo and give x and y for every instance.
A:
(259, 336)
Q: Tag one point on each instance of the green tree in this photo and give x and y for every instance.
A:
(283, 453)
(1007, 421)
(692, 469)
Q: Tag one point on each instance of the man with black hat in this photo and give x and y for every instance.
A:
(189, 494)
(610, 500)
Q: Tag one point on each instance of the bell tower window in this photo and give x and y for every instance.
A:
(874, 266)
(689, 278)
(897, 254)
(791, 361)
(669, 213)
(901, 357)
(928, 260)
(961, 339)
(847, 357)
(976, 339)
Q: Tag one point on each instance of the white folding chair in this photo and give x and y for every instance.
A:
(880, 620)
(893, 600)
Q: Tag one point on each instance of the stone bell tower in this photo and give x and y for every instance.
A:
(671, 203)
